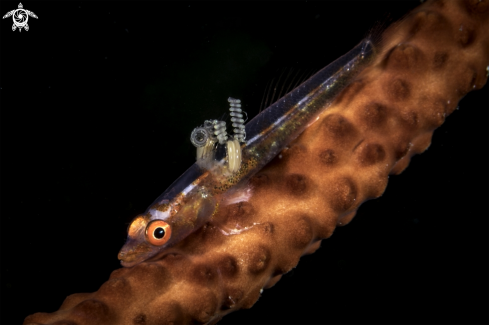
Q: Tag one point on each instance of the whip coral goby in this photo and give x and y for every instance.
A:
(327, 276)
(200, 193)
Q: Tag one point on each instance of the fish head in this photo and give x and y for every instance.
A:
(164, 224)
(147, 235)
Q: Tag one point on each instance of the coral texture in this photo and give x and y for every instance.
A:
(372, 130)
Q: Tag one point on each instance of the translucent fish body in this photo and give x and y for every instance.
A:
(192, 200)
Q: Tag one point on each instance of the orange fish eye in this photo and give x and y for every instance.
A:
(158, 232)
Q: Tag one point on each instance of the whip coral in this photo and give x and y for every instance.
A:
(425, 64)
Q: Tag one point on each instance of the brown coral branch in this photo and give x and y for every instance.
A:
(426, 64)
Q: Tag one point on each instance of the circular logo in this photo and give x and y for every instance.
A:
(20, 17)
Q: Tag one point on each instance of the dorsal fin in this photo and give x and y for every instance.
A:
(279, 87)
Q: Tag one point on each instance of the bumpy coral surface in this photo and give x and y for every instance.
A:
(371, 131)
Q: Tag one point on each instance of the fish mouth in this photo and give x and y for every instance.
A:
(132, 254)
(126, 258)
(128, 263)
(131, 258)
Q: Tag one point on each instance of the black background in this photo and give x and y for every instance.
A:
(97, 104)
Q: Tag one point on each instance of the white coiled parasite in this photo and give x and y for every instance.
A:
(205, 138)
(208, 137)
(239, 135)
(220, 131)
(237, 119)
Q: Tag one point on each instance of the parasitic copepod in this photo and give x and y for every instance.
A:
(211, 136)
(220, 177)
